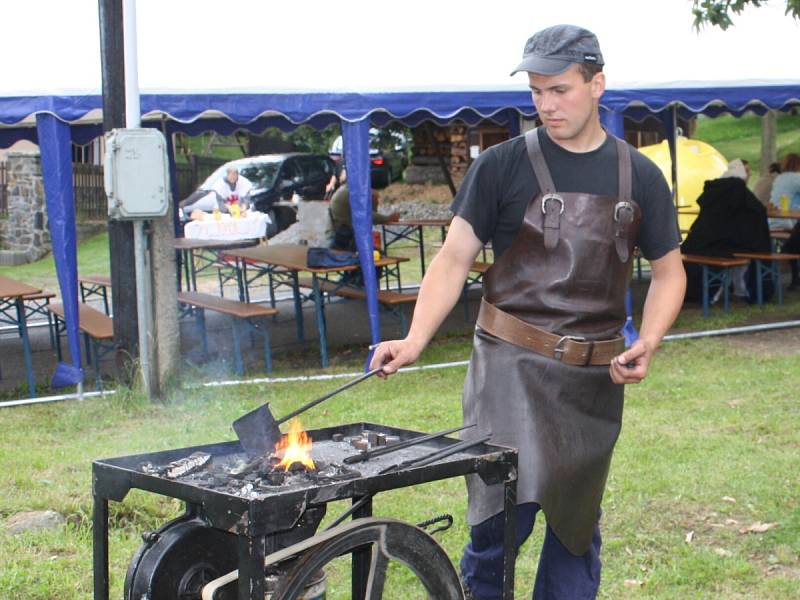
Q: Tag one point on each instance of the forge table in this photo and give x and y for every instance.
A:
(259, 520)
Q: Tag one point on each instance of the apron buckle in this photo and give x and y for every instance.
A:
(559, 349)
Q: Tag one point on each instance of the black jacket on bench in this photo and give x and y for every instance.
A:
(731, 220)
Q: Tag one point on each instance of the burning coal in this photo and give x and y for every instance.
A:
(294, 447)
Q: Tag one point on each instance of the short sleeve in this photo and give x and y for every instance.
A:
(658, 233)
(477, 199)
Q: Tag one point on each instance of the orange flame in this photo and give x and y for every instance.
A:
(294, 447)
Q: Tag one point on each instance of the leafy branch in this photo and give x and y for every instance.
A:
(718, 13)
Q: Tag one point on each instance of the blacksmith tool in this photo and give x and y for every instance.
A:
(259, 430)
(367, 454)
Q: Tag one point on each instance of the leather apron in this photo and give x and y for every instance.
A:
(567, 273)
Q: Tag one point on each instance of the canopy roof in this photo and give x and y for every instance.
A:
(194, 113)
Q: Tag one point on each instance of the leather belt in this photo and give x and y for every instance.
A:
(569, 349)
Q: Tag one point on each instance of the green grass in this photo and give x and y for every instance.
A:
(93, 259)
(711, 422)
(741, 137)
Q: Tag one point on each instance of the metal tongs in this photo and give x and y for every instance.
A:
(367, 454)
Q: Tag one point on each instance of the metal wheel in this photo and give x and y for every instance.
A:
(176, 562)
(386, 540)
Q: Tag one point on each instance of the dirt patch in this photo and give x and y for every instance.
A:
(779, 342)
(401, 192)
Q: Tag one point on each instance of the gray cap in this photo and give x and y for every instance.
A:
(552, 50)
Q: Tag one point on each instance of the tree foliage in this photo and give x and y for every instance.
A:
(718, 13)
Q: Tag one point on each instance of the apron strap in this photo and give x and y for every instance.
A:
(624, 213)
(552, 203)
(625, 191)
(538, 163)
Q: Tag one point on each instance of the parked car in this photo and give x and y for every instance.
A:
(388, 153)
(277, 179)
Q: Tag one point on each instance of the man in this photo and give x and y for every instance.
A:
(342, 220)
(563, 206)
(231, 188)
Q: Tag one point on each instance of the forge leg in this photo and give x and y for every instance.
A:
(362, 559)
(252, 551)
(100, 548)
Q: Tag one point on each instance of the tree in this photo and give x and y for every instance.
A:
(718, 12)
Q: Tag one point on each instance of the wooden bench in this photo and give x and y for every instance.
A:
(768, 264)
(98, 333)
(254, 317)
(722, 276)
(391, 301)
(95, 285)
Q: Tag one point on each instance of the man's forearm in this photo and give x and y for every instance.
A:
(664, 299)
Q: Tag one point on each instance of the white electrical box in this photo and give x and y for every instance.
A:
(136, 174)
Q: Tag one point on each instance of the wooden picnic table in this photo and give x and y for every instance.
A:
(11, 295)
(281, 264)
(412, 230)
(193, 251)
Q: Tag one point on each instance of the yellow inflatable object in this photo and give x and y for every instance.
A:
(697, 162)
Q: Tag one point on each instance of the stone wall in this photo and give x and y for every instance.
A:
(25, 236)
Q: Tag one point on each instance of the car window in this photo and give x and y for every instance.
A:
(314, 168)
(290, 170)
(261, 175)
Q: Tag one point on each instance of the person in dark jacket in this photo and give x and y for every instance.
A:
(731, 219)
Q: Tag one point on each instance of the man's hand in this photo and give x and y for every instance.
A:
(631, 366)
(393, 354)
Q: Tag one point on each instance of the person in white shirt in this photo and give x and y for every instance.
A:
(233, 188)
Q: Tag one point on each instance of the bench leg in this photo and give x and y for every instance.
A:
(776, 280)
(726, 280)
(267, 349)
(298, 307)
(50, 327)
(705, 290)
(57, 327)
(759, 284)
(465, 300)
(98, 381)
(200, 319)
(105, 301)
(237, 347)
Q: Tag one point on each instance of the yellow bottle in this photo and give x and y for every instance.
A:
(235, 210)
(376, 255)
(784, 201)
(217, 215)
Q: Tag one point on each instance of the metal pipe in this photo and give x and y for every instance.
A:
(732, 330)
(139, 247)
(132, 108)
(59, 398)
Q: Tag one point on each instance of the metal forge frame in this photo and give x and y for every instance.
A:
(258, 522)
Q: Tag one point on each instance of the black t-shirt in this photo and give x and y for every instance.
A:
(500, 185)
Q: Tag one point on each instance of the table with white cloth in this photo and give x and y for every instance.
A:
(226, 228)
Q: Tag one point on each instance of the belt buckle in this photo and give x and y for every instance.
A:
(559, 350)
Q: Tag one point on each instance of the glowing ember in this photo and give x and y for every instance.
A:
(294, 447)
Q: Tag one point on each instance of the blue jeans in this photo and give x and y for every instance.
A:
(560, 575)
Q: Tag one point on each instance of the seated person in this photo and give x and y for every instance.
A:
(343, 236)
(231, 189)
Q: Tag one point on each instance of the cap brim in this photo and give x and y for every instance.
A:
(542, 66)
